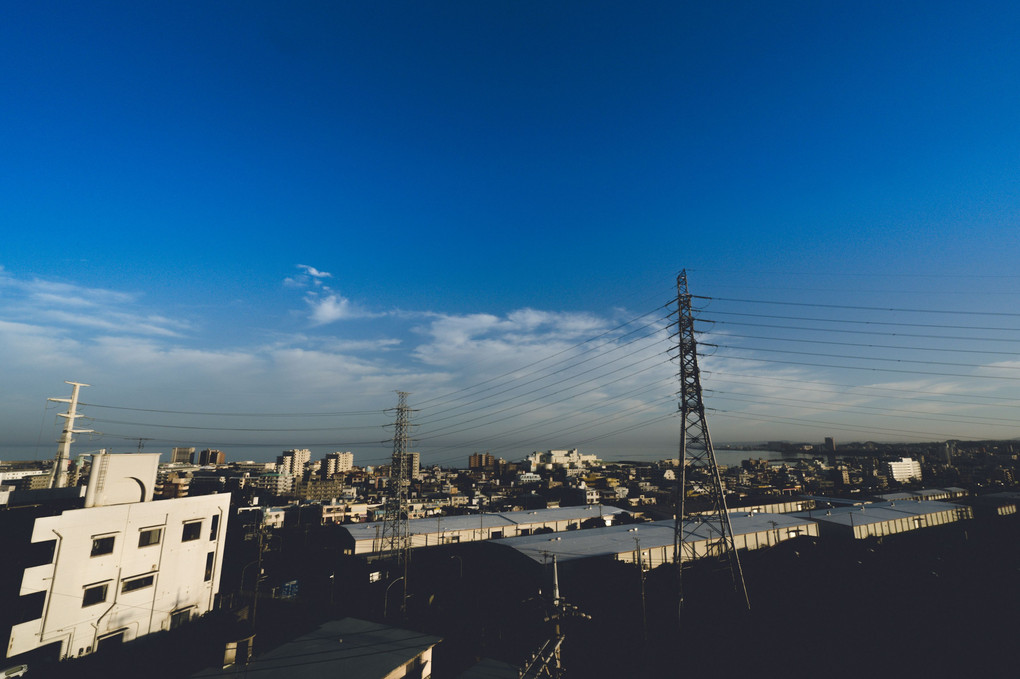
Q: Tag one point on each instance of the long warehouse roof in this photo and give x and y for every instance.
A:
(878, 512)
(619, 539)
(467, 522)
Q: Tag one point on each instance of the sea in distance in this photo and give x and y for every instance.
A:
(733, 458)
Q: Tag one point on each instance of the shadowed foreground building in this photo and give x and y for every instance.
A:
(89, 570)
(348, 648)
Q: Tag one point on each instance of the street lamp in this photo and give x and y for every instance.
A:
(386, 597)
(461, 562)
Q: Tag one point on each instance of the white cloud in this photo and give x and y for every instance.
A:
(330, 308)
(325, 305)
(313, 272)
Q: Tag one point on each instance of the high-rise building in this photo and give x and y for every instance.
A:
(293, 461)
(413, 465)
(481, 461)
(183, 455)
(337, 463)
(948, 449)
(830, 451)
(208, 456)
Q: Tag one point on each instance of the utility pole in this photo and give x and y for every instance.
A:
(547, 662)
(644, 606)
(58, 475)
(699, 472)
(396, 534)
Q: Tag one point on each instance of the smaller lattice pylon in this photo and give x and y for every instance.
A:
(396, 533)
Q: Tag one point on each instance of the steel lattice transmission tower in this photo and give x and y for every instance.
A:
(396, 534)
(702, 517)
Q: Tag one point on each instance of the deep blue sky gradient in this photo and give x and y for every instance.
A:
(484, 157)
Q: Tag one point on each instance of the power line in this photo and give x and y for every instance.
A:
(882, 411)
(565, 366)
(542, 360)
(629, 365)
(861, 358)
(728, 375)
(867, 368)
(716, 312)
(867, 346)
(837, 425)
(189, 412)
(253, 429)
(856, 332)
(532, 426)
(863, 308)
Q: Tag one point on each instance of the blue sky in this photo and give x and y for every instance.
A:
(250, 208)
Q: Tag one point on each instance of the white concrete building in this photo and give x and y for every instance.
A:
(122, 566)
(570, 459)
(336, 463)
(293, 461)
(904, 470)
(274, 483)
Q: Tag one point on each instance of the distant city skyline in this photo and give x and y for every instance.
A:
(247, 227)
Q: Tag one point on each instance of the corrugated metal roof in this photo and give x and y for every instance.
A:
(620, 539)
(878, 512)
(468, 522)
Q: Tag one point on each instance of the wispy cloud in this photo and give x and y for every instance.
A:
(65, 306)
(324, 304)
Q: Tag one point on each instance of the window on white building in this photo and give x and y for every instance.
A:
(178, 618)
(214, 526)
(137, 583)
(103, 545)
(192, 531)
(209, 566)
(149, 536)
(96, 594)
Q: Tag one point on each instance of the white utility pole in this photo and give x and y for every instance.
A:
(58, 476)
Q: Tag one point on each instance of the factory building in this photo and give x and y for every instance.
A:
(654, 541)
(366, 538)
(878, 519)
(951, 493)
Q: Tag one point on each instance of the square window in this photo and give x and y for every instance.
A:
(178, 618)
(192, 531)
(103, 545)
(150, 536)
(94, 595)
(137, 583)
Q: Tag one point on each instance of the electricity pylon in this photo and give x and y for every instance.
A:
(396, 534)
(700, 511)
